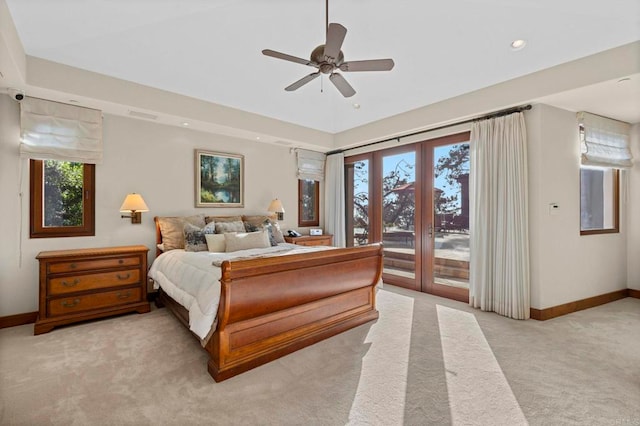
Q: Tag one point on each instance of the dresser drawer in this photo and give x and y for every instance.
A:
(93, 264)
(67, 305)
(74, 283)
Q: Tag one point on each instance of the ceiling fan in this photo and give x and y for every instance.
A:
(328, 58)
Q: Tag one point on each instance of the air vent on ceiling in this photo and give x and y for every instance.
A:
(283, 143)
(139, 114)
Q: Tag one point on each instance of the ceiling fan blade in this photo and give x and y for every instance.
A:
(342, 85)
(278, 55)
(304, 80)
(335, 37)
(369, 65)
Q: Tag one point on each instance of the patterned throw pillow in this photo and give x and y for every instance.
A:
(195, 238)
(277, 232)
(258, 223)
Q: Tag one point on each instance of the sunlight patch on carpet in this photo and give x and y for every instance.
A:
(478, 390)
(381, 393)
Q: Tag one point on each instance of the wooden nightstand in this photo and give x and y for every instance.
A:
(83, 284)
(311, 240)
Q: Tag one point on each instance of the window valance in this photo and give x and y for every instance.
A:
(604, 141)
(56, 131)
(310, 165)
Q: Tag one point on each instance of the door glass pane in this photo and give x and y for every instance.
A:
(451, 215)
(357, 205)
(63, 190)
(398, 214)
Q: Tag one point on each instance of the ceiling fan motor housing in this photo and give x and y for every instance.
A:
(325, 64)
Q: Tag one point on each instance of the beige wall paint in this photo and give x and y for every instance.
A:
(633, 194)
(565, 266)
(154, 160)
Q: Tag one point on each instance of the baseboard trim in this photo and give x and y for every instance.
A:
(19, 319)
(578, 305)
(634, 293)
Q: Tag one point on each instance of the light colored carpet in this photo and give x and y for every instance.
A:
(426, 361)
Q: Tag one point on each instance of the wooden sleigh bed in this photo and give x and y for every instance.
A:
(272, 306)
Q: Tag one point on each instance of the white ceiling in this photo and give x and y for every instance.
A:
(211, 50)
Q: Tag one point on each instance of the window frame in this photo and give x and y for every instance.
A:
(616, 207)
(301, 221)
(36, 205)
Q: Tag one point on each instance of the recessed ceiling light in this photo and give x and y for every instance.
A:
(518, 44)
(257, 138)
(356, 106)
(184, 123)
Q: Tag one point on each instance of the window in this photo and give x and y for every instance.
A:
(62, 199)
(599, 200)
(308, 202)
(604, 148)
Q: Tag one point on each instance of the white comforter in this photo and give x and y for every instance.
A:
(191, 279)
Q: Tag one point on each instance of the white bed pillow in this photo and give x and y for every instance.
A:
(246, 240)
(215, 243)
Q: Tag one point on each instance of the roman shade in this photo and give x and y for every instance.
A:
(604, 142)
(56, 131)
(310, 165)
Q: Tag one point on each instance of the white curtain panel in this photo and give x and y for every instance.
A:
(334, 209)
(56, 131)
(499, 267)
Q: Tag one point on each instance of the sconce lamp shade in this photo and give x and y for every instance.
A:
(134, 204)
(276, 207)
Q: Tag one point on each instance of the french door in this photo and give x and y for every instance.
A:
(415, 200)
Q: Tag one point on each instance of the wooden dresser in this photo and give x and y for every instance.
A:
(311, 240)
(83, 284)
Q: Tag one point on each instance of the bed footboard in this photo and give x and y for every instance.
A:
(270, 307)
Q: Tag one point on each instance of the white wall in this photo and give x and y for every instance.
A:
(565, 266)
(633, 236)
(154, 160)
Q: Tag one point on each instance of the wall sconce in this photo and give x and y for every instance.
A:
(276, 207)
(134, 204)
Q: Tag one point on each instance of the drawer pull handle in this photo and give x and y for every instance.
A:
(124, 296)
(71, 284)
(121, 261)
(123, 277)
(72, 266)
(68, 304)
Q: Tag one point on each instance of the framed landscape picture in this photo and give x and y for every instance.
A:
(219, 179)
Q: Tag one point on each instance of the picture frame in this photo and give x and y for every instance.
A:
(219, 179)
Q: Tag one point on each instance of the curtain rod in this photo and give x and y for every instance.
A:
(484, 117)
